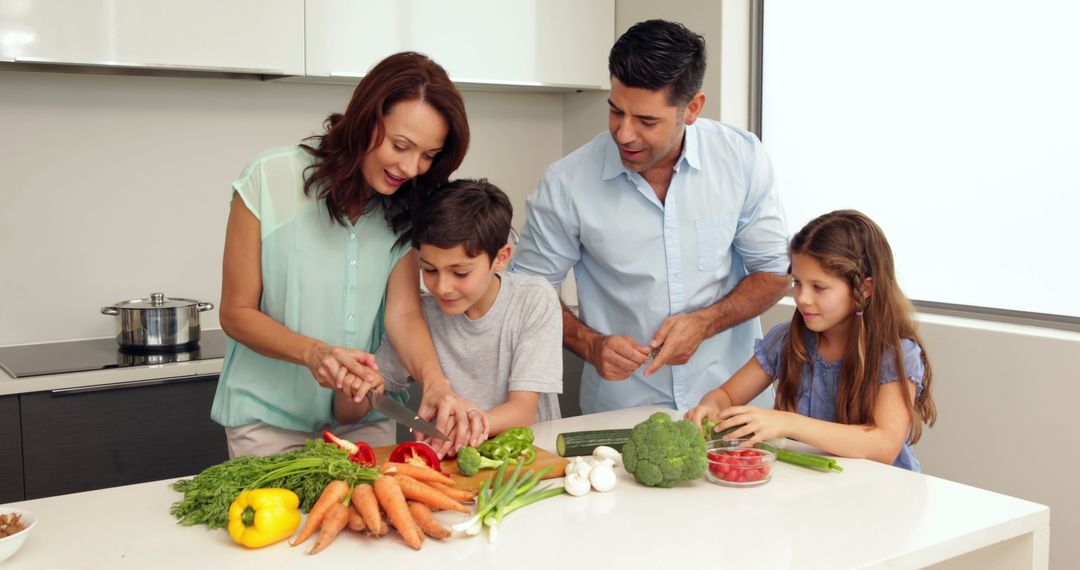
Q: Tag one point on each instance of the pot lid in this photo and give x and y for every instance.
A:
(156, 301)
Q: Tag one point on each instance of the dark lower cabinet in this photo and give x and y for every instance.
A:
(11, 464)
(92, 438)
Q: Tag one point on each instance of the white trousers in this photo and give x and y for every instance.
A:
(264, 439)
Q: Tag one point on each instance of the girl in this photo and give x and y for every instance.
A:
(317, 264)
(852, 377)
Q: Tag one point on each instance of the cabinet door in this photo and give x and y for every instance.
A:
(11, 464)
(262, 36)
(526, 43)
(82, 440)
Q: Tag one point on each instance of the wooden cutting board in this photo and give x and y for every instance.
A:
(544, 458)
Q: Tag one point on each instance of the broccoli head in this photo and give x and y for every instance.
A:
(469, 461)
(663, 452)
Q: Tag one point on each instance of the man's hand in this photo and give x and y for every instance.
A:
(677, 339)
(449, 411)
(616, 357)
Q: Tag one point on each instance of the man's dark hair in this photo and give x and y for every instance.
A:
(657, 54)
(469, 212)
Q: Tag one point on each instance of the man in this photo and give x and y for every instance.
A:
(671, 224)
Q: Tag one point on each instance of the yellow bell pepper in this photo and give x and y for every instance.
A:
(263, 516)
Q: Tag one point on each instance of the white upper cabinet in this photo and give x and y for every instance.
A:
(254, 36)
(538, 44)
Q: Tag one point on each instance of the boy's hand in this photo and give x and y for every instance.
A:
(441, 405)
(479, 425)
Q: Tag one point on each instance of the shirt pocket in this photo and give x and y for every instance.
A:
(714, 235)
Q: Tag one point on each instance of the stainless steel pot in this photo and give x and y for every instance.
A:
(157, 323)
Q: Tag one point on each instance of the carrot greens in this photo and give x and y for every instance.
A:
(305, 471)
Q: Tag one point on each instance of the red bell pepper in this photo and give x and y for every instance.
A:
(359, 452)
(416, 453)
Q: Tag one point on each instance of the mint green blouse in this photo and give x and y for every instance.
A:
(320, 279)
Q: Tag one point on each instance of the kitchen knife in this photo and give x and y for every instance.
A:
(402, 415)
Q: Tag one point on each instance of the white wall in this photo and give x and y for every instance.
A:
(113, 187)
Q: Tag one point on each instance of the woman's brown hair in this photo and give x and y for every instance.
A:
(336, 175)
(851, 246)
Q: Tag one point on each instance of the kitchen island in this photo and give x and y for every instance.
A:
(869, 516)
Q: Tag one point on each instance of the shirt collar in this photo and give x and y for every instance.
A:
(613, 165)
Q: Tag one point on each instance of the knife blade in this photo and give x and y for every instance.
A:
(396, 411)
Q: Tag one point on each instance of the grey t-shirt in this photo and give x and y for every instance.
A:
(517, 345)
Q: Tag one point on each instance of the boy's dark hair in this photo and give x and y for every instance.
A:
(658, 54)
(469, 212)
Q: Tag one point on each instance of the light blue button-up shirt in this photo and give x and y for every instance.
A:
(638, 261)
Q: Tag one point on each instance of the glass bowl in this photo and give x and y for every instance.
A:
(10, 544)
(733, 466)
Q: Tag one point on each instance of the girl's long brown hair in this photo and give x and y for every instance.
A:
(851, 246)
(336, 175)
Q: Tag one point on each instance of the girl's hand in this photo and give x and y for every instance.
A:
(331, 365)
(762, 423)
(695, 414)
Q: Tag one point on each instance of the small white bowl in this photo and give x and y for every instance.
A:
(10, 544)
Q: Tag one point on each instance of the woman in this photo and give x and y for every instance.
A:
(317, 263)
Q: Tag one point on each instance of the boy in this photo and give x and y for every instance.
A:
(498, 335)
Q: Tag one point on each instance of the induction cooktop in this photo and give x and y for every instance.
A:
(100, 354)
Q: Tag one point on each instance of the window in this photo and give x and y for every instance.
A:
(955, 125)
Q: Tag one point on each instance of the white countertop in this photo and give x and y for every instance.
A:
(869, 516)
(45, 382)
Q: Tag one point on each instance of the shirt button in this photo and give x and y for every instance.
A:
(352, 289)
(352, 235)
(349, 317)
(352, 262)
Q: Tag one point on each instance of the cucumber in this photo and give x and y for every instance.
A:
(574, 443)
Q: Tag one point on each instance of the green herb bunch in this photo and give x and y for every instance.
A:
(305, 471)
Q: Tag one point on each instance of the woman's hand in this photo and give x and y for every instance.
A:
(331, 366)
(764, 424)
(356, 388)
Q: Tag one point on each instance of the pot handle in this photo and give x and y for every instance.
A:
(109, 311)
(203, 306)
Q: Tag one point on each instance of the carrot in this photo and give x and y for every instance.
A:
(423, 517)
(454, 492)
(335, 492)
(425, 474)
(392, 501)
(356, 522)
(337, 516)
(363, 500)
(417, 491)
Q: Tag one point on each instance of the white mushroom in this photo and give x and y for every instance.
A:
(580, 466)
(605, 452)
(602, 477)
(577, 484)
